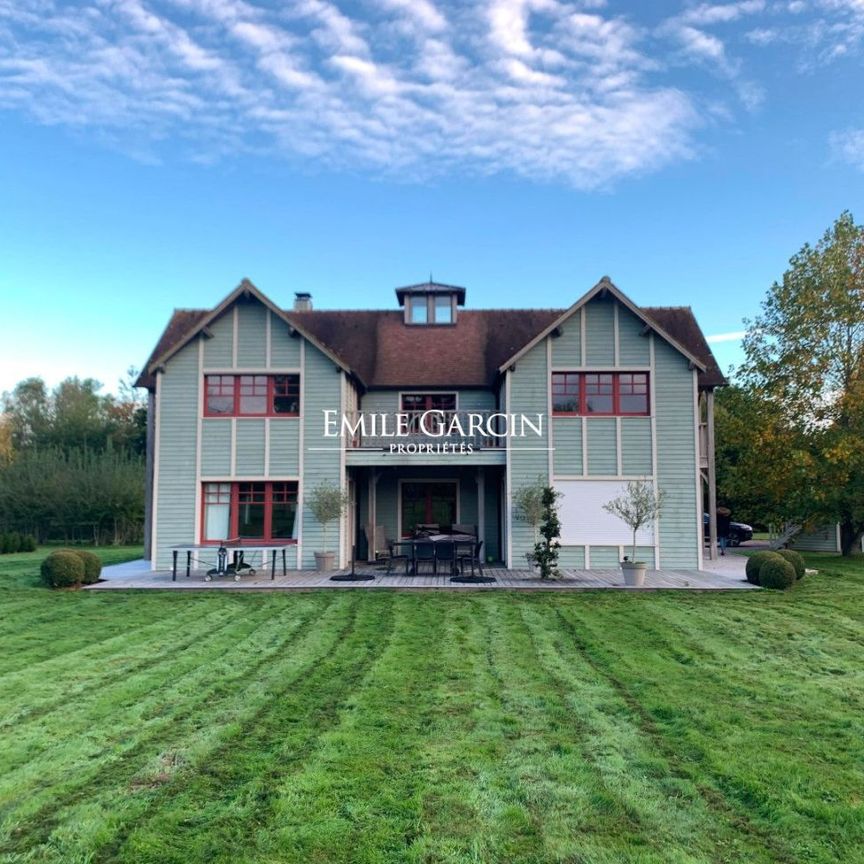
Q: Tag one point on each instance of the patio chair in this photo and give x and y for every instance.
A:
(445, 554)
(397, 553)
(424, 552)
(474, 558)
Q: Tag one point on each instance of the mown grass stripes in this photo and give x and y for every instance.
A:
(376, 728)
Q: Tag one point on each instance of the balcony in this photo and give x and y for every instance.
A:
(425, 437)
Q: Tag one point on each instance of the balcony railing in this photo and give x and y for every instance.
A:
(375, 430)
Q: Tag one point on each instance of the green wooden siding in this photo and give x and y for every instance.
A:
(215, 448)
(633, 348)
(567, 440)
(251, 335)
(219, 349)
(605, 556)
(676, 457)
(284, 447)
(567, 348)
(636, 445)
(250, 447)
(599, 332)
(528, 395)
(284, 348)
(176, 494)
(602, 444)
(321, 390)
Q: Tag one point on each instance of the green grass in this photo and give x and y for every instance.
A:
(352, 726)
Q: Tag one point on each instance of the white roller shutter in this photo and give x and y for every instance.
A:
(585, 522)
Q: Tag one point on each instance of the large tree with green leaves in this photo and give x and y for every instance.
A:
(805, 370)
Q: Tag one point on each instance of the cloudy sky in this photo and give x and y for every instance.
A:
(153, 152)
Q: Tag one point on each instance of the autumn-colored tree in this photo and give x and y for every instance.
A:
(804, 371)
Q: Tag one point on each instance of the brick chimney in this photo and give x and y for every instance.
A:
(302, 301)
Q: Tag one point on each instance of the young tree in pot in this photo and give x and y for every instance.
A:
(638, 508)
(546, 550)
(528, 507)
(327, 502)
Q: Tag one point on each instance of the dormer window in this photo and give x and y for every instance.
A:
(430, 303)
(418, 309)
(444, 309)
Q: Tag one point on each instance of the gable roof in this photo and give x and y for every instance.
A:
(380, 350)
(602, 288)
(198, 320)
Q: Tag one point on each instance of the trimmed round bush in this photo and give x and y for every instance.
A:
(62, 569)
(92, 565)
(777, 573)
(28, 543)
(755, 562)
(14, 541)
(796, 560)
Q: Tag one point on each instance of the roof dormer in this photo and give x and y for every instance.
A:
(430, 303)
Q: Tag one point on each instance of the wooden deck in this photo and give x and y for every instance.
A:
(514, 580)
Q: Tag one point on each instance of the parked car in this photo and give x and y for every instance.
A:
(738, 532)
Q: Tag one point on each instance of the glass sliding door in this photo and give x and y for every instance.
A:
(424, 502)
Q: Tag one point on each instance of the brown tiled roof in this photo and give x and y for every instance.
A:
(681, 323)
(182, 322)
(385, 352)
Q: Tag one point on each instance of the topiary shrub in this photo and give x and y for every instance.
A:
(796, 560)
(62, 569)
(755, 562)
(92, 565)
(28, 543)
(14, 542)
(777, 572)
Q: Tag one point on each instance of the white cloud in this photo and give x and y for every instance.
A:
(849, 146)
(541, 88)
(733, 336)
(552, 89)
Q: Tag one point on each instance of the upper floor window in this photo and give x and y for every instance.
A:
(417, 404)
(428, 401)
(419, 312)
(444, 310)
(251, 395)
(600, 393)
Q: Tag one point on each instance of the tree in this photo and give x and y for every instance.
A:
(326, 502)
(805, 362)
(637, 508)
(546, 550)
(28, 413)
(528, 507)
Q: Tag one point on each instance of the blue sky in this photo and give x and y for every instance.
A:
(154, 152)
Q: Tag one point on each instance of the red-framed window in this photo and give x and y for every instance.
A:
(255, 510)
(417, 404)
(610, 394)
(251, 395)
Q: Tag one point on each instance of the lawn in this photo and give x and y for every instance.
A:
(432, 727)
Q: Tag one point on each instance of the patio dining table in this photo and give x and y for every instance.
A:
(456, 539)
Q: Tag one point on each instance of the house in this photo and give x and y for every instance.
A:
(429, 412)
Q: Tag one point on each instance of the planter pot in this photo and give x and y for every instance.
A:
(634, 572)
(325, 561)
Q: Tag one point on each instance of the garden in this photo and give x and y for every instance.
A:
(431, 727)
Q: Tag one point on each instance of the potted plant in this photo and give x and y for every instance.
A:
(327, 502)
(528, 507)
(637, 508)
(546, 550)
